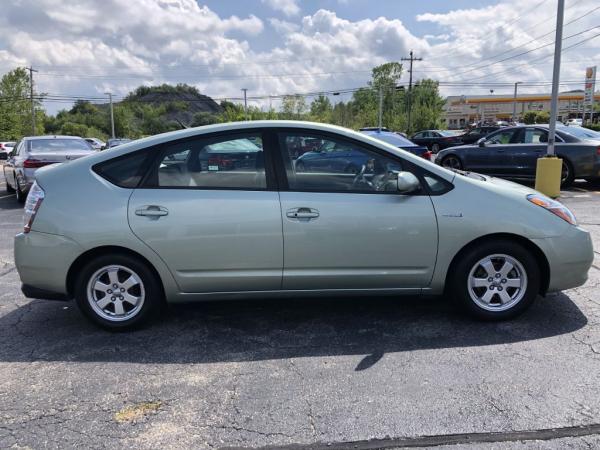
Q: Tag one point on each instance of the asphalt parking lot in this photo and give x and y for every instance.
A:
(330, 373)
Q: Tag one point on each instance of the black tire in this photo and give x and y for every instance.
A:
(21, 197)
(435, 148)
(452, 162)
(459, 280)
(567, 174)
(152, 299)
(9, 188)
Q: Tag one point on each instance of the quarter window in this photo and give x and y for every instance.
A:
(535, 136)
(333, 165)
(212, 163)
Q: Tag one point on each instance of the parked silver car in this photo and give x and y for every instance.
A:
(5, 149)
(97, 144)
(31, 153)
(171, 218)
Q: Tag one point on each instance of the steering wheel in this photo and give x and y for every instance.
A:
(360, 178)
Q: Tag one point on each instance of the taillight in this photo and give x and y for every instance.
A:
(35, 163)
(33, 203)
(598, 150)
(427, 155)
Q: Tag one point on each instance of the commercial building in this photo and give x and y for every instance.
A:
(461, 110)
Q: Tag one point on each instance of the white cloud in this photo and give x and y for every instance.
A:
(283, 26)
(287, 7)
(79, 48)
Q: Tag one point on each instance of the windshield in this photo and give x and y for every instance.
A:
(59, 145)
(581, 133)
(391, 138)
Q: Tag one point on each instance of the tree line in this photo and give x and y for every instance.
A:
(151, 110)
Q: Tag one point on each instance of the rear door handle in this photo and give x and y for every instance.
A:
(302, 213)
(152, 211)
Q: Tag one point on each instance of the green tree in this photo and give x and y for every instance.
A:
(542, 117)
(15, 106)
(529, 117)
(321, 109)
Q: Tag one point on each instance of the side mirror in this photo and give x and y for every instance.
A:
(408, 183)
(481, 142)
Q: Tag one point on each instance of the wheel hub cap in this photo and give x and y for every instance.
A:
(497, 282)
(116, 293)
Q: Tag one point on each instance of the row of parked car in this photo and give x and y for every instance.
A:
(505, 151)
(24, 157)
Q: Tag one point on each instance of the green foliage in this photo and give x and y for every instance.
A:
(529, 117)
(149, 110)
(593, 126)
(15, 106)
(542, 117)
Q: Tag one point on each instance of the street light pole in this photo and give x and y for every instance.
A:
(548, 174)
(555, 77)
(245, 104)
(112, 115)
(380, 119)
(31, 70)
(514, 115)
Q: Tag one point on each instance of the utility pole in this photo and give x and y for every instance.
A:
(245, 103)
(549, 169)
(380, 116)
(31, 70)
(556, 76)
(112, 115)
(410, 71)
(514, 115)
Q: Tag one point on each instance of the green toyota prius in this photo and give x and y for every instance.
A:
(224, 211)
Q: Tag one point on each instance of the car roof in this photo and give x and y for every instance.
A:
(251, 126)
(37, 138)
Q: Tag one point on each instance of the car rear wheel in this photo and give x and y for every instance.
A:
(567, 175)
(117, 292)
(9, 188)
(496, 280)
(435, 148)
(21, 197)
(452, 162)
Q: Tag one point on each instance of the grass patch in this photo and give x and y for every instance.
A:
(133, 413)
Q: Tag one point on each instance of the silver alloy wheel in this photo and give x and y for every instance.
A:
(116, 293)
(497, 282)
(452, 162)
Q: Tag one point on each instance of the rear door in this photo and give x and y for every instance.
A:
(354, 230)
(216, 222)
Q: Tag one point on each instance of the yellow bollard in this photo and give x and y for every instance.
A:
(547, 176)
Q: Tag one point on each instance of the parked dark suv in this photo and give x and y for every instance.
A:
(475, 134)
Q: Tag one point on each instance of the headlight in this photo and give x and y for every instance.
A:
(33, 203)
(553, 206)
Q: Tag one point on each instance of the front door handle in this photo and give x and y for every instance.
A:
(302, 213)
(152, 211)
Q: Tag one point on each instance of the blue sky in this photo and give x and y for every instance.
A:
(84, 48)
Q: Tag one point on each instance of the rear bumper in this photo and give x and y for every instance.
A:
(43, 261)
(570, 257)
(33, 292)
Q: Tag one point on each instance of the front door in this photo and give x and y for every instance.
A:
(346, 230)
(208, 211)
(495, 155)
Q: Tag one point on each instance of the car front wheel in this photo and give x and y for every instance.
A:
(496, 280)
(118, 292)
(452, 162)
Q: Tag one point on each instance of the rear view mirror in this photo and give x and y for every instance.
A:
(408, 183)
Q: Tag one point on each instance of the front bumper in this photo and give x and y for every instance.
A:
(43, 261)
(570, 257)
